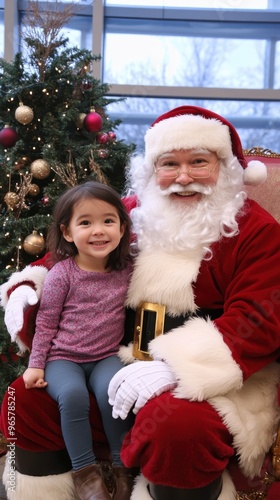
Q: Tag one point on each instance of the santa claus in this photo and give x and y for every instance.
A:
(202, 370)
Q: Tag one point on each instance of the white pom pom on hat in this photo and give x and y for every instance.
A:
(191, 127)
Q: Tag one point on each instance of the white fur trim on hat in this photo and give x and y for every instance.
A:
(191, 131)
(188, 132)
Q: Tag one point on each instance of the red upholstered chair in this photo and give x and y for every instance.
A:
(267, 194)
(267, 485)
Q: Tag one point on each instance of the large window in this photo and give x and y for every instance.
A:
(220, 54)
(192, 52)
(224, 59)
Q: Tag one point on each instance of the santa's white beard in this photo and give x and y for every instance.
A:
(162, 223)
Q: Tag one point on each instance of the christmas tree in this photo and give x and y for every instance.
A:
(54, 133)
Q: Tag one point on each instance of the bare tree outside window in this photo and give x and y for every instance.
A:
(198, 62)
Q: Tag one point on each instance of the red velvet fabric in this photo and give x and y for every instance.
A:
(38, 429)
(194, 429)
(37, 421)
(274, 491)
(38, 426)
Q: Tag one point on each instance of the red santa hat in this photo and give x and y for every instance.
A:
(191, 127)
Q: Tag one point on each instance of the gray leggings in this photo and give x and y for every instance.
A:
(68, 384)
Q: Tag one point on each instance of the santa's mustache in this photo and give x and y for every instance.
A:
(194, 187)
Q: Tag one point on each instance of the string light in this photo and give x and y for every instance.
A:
(18, 255)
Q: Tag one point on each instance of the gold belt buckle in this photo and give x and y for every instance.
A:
(149, 324)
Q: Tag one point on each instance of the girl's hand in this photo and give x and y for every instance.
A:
(34, 378)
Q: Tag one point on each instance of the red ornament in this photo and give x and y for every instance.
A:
(86, 85)
(102, 138)
(112, 136)
(8, 137)
(93, 122)
(103, 153)
(45, 201)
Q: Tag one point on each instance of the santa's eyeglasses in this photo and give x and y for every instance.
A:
(169, 172)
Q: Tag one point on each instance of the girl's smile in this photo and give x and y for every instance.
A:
(96, 231)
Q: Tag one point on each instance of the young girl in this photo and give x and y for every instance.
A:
(80, 324)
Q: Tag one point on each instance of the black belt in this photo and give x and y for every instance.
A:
(150, 320)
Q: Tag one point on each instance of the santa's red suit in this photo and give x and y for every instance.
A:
(224, 356)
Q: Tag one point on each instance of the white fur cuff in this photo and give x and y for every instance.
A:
(200, 359)
(36, 274)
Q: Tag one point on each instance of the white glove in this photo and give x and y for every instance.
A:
(135, 384)
(19, 300)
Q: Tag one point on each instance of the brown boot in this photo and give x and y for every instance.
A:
(89, 483)
(123, 483)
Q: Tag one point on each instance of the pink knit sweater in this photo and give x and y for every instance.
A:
(81, 314)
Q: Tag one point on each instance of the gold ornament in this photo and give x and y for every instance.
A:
(11, 199)
(80, 120)
(24, 114)
(40, 169)
(34, 244)
(33, 190)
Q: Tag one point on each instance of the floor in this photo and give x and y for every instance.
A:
(3, 495)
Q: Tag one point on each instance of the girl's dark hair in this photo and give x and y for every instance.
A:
(61, 249)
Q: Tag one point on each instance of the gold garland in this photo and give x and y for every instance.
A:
(257, 151)
(267, 481)
(95, 168)
(254, 495)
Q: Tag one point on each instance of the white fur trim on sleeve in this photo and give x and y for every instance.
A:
(125, 354)
(251, 416)
(36, 274)
(200, 359)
